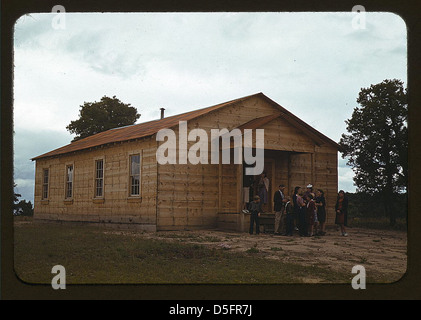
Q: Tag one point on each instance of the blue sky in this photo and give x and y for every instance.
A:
(313, 64)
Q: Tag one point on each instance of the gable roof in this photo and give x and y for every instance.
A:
(316, 135)
(258, 122)
(147, 129)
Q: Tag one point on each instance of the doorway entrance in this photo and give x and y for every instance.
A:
(269, 172)
(261, 185)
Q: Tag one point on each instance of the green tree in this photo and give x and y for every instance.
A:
(96, 117)
(24, 208)
(15, 195)
(377, 143)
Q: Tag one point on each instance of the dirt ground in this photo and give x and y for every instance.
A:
(383, 253)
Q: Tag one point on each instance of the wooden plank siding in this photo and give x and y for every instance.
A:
(185, 196)
(116, 206)
(203, 190)
(191, 196)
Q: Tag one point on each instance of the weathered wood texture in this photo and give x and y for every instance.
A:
(192, 195)
(239, 222)
(187, 196)
(116, 206)
(183, 196)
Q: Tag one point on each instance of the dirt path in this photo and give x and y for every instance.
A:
(382, 253)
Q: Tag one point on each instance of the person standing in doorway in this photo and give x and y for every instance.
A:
(255, 209)
(263, 188)
(279, 201)
(248, 181)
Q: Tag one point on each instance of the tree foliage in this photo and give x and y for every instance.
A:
(377, 141)
(15, 195)
(362, 204)
(96, 117)
(24, 208)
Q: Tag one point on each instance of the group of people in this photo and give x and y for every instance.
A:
(304, 212)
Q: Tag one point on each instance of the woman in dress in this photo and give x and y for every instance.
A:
(300, 211)
(289, 212)
(341, 209)
(311, 215)
(321, 211)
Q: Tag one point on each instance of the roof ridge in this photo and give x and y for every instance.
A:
(185, 113)
(131, 132)
(149, 128)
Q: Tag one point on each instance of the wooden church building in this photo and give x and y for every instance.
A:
(113, 177)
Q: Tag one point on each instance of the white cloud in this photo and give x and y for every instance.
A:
(313, 64)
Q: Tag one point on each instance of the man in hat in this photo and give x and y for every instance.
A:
(309, 190)
(255, 209)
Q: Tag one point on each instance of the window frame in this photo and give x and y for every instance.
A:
(96, 178)
(67, 182)
(45, 191)
(137, 187)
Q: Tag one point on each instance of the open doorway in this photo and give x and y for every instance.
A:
(261, 185)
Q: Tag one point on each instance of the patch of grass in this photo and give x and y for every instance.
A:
(253, 250)
(92, 256)
(178, 235)
(209, 239)
(276, 249)
(231, 236)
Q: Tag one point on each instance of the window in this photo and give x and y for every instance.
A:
(69, 181)
(99, 178)
(45, 176)
(135, 175)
